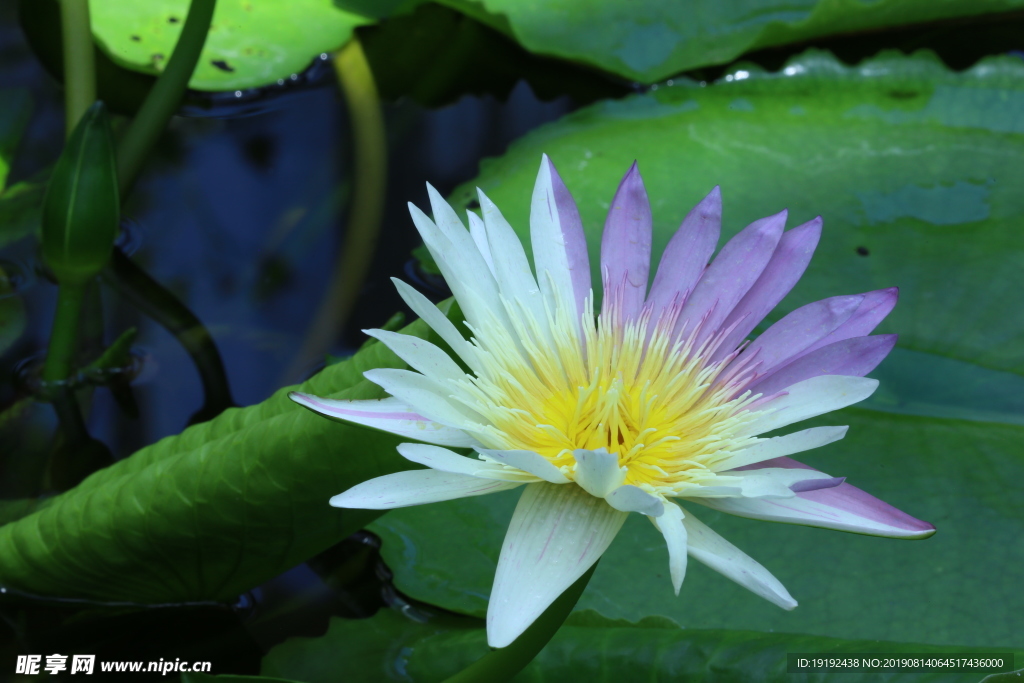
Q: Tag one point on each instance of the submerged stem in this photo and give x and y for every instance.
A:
(79, 61)
(505, 663)
(150, 297)
(369, 179)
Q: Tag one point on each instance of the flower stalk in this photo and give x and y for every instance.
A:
(79, 61)
(503, 664)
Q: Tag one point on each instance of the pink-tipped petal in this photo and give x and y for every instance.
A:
(556, 534)
(785, 268)
(687, 254)
(729, 277)
(388, 415)
(559, 245)
(626, 247)
(843, 507)
(798, 330)
(851, 357)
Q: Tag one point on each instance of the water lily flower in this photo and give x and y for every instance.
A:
(654, 402)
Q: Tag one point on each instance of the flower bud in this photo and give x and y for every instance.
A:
(82, 207)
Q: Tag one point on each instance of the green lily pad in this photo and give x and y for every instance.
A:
(250, 43)
(651, 40)
(916, 171)
(390, 646)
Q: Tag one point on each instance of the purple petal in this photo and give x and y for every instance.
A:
(556, 233)
(626, 247)
(785, 268)
(798, 330)
(687, 254)
(872, 309)
(850, 358)
(816, 484)
(730, 276)
(842, 507)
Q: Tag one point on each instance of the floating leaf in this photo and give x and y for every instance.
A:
(250, 43)
(390, 646)
(917, 172)
(651, 40)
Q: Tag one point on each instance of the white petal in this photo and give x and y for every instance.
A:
(598, 472)
(438, 322)
(671, 526)
(464, 270)
(782, 445)
(556, 534)
(631, 498)
(388, 415)
(445, 460)
(420, 354)
(810, 398)
(528, 461)
(426, 396)
(511, 267)
(708, 547)
(479, 234)
(416, 487)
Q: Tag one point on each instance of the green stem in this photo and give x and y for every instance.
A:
(166, 95)
(79, 61)
(504, 664)
(63, 336)
(369, 178)
(150, 297)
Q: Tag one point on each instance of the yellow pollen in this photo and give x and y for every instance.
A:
(659, 410)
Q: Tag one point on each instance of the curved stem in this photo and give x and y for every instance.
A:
(79, 61)
(369, 178)
(165, 96)
(150, 297)
(504, 664)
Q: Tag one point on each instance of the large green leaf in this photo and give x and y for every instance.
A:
(650, 40)
(250, 43)
(917, 173)
(213, 511)
(390, 646)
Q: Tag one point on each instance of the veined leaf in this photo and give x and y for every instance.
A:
(390, 646)
(213, 511)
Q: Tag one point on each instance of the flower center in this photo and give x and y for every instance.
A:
(658, 410)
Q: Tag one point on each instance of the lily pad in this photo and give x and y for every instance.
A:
(916, 171)
(250, 43)
(651, 40)
(390, 646)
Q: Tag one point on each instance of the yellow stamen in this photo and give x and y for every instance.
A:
(658, 409)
